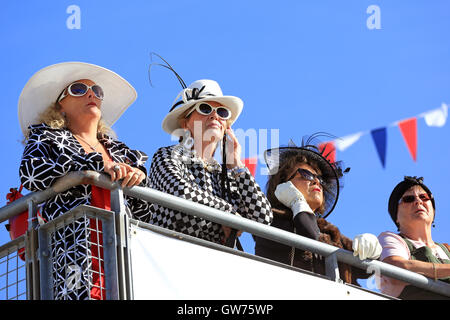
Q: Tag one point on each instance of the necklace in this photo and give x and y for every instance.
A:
(210, 164)
(90, 146)
(189, 156)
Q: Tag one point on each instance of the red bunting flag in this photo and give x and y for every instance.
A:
(408, 128)
(328, 151)
(250, 163)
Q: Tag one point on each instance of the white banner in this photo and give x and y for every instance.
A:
(167, 268)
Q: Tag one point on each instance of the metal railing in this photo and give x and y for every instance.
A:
(92, 274)
(13, 277)
(124, 290)
(38, 242)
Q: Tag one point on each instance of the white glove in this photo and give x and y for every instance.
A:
(367, 246)
(289, 195)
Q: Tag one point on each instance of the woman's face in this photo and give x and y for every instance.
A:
(210, 128)
(84, 108)
(311, 190)
(419, 211)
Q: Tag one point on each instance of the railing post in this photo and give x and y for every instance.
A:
(110, 259)
(45, 275)
(123, 252)
(31, 247)
(332, 268)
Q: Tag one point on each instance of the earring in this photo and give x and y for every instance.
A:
(188, 141)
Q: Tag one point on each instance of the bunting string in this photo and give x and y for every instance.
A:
(408, 128)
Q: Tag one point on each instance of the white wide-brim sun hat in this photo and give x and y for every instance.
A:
(44, 87)
(198, 91)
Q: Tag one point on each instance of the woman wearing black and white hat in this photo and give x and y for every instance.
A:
(201, 119)
(412, 208)
(65, 112)
(303, 189)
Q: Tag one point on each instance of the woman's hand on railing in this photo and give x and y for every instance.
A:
(131, 176)
(366, 246)
(227, 231)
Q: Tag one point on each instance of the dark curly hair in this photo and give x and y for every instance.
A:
(282, 175)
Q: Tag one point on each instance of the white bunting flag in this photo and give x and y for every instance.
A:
(437, 117)
(345, 142)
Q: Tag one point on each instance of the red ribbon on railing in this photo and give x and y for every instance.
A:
(18, 224)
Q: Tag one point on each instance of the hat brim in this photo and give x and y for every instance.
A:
(43, 88)
(171, 123)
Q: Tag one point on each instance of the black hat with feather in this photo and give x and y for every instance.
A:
(331, 172)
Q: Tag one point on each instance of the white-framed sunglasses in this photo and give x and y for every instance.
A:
(205, 109)
(78, 89)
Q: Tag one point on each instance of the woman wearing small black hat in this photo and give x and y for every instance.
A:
(412, 208)
(303, 189)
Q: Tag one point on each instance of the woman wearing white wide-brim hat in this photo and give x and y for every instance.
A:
(65, 112)
(200, 116)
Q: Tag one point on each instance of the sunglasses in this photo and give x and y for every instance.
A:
(411, 198)
(308, 175)
(78, 89)
(205, 109)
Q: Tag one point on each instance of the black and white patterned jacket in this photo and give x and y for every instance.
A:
(52, 153)
(177, 171)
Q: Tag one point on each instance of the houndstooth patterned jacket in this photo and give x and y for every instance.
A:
(178, 171)
(51, 154)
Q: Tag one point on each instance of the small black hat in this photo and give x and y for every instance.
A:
(400, 189)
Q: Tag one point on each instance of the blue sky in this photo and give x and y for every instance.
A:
(299, 66)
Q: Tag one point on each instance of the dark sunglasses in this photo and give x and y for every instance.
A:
(411, 198)
(206, 109)
(308, 175)
(78, 89)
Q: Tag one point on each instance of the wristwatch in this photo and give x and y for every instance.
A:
(237, 171)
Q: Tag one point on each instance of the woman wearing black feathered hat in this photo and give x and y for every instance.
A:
(412, 209)
(303, 189)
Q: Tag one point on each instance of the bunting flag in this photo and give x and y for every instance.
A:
(345, 142)
(328, 151)
(251, 163)
(437, 117)
(408, 128)
(379, 137)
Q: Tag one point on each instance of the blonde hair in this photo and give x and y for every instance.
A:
(53, 117)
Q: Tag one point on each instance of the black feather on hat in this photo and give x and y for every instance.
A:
(332, 172)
